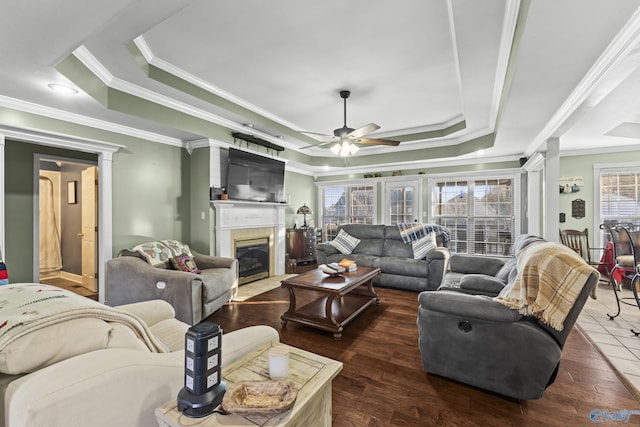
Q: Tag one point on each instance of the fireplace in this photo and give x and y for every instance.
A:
(237, 221)
(253, 259)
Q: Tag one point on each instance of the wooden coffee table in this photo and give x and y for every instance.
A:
(340, 299)
(311, 373)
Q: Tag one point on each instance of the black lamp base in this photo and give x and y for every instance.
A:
(195, 406)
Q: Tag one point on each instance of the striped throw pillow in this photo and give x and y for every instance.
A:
(344, 242)
(423, 246)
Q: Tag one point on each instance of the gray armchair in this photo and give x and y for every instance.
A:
(130, 278)
(478, 341)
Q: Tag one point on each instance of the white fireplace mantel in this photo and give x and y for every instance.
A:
(231, 215)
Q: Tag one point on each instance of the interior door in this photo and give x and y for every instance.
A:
(402, 202)
(89, 234)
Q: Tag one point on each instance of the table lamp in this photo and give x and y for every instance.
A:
(304, 210)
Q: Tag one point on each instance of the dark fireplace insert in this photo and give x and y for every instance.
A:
(253, 259)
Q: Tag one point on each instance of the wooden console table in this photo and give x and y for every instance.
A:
(311, 372)
(342, 298)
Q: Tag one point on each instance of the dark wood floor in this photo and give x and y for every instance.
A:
(383, 384)
(70, 286)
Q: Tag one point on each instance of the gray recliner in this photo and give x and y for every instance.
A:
(478, 341)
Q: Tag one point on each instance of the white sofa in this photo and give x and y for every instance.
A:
(118, 385)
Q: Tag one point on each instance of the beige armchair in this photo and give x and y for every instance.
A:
(136, 276)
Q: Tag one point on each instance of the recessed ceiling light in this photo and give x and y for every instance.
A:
(63, 89)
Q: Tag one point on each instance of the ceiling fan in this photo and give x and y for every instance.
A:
(346, 138)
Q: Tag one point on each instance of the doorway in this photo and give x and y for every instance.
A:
(67, 225)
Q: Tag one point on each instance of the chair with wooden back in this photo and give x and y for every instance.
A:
(578, 240)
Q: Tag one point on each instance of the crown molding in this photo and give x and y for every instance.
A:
(617, 51)
(506, 44)
(322, 171)
(53, 113)
(85, 145)
(148, 55)
(91, 62)
(421, 129)
(456, 58)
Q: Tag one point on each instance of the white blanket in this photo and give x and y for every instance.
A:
(27, 307)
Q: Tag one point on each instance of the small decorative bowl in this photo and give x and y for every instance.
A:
(251, 398)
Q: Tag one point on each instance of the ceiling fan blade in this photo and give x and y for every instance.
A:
(319, 144)
(371, 141)
(364, 130)
(317, 134)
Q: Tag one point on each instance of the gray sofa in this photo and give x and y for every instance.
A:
(131, 278)
(382, 246)
(479, 341)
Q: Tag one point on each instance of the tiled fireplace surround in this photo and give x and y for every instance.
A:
(237, 220)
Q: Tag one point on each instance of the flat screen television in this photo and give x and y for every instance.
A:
(254, 178)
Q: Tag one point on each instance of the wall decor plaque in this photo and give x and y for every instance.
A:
(577, 208)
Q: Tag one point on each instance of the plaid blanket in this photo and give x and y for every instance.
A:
(411, 231)
(27, 307)
(550, 277)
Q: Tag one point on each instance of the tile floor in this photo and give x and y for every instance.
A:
(614, 338)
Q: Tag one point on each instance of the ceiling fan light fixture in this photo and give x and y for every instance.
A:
(345, 148)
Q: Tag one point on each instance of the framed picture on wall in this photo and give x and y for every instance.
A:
(72, 187)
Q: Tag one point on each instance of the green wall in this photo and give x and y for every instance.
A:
(160, 192)
(151, 194)
(199, 176)
(300, 189)
(19, 203)
(583, 166)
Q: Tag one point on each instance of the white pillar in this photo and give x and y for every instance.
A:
(534, 167)
(105, 218)
(551, 194)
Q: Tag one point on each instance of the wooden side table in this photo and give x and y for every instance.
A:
(312, 374)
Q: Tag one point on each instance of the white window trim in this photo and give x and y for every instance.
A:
(393, 183)
(597, 172)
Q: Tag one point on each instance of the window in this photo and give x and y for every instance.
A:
(346, 204)
(479, 213)
(620, 196)
(402, 202)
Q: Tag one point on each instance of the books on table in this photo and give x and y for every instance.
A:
(339, 267)
(348, 264)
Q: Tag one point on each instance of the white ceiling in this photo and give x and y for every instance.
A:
(524, 70)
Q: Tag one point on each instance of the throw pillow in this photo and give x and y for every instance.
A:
(184, 262)
(156, 253)
(344, 242)
(506, 269)
(423, 246)
(482, 283)
(176, 247)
